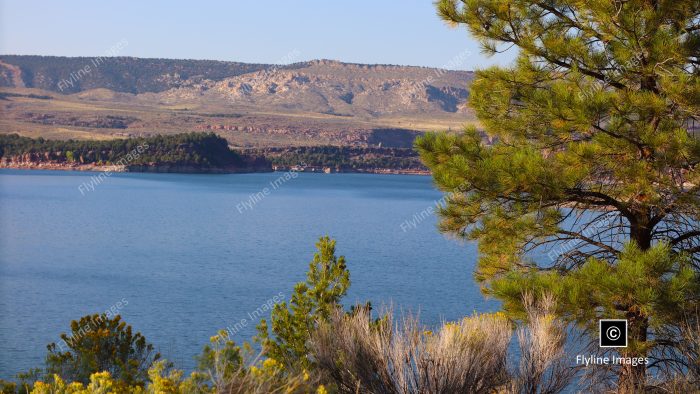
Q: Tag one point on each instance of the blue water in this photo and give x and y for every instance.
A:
(188, 262)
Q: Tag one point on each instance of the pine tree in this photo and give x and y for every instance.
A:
(327, 281)
(589, 187)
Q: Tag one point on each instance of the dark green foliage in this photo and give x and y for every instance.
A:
(200, 149)
(97, 343)
(5, 95)
(655, 286)
(122, 74)
(26, 380)
(343, 157)
(286, 337)
(220, 115)
(7, 387)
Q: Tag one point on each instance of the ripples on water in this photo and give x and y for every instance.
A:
(189, 263)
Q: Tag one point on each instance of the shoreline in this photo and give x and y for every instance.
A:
(184, 169)
(159, 168)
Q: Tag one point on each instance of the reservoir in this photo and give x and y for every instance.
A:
(182, 256)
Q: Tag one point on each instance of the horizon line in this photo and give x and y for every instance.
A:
(317, 60)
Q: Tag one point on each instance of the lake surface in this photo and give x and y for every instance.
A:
(182, 256)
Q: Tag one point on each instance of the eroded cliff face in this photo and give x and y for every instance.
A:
(337, 88)
(50, 161)
(321, 86)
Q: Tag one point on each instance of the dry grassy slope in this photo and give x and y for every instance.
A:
(310, 103)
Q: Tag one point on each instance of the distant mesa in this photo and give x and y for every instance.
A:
(310, 103)
(321, 86)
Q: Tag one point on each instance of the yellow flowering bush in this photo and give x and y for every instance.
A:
(100, 383)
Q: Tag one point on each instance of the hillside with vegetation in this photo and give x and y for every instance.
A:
(318, 102)
(120, 74)
(192, 152)
(198, 152)
(344, 159)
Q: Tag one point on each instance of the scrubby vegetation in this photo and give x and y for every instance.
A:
(100, 343)
(343, 158)
(205, 150)
(311, 344)
(5, 95)
(386, 356)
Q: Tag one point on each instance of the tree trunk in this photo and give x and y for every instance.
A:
(632, 379)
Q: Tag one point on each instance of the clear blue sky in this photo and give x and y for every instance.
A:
(406, 32)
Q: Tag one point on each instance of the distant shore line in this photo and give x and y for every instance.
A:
(156, 168)
(187, 169)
